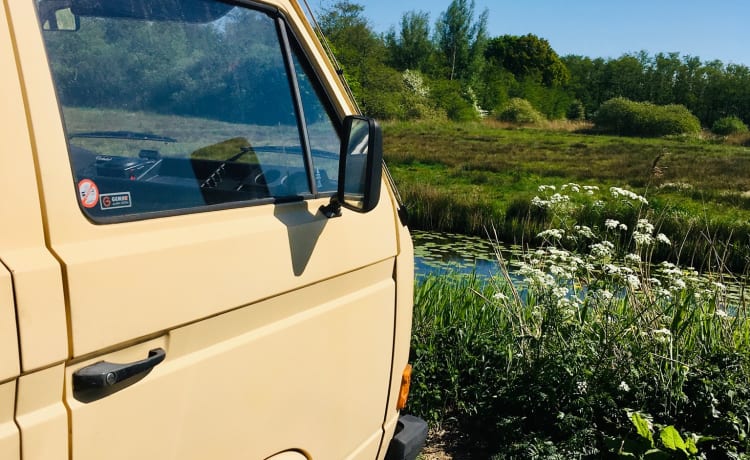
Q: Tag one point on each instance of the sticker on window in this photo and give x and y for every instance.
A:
(115, 200)
(88, 193)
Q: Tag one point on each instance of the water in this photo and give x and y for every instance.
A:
(443, 253)
(439, 253)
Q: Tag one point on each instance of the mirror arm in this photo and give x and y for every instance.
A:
(332, 209)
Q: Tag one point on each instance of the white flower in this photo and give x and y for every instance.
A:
(573, 187)
(633, 259)
(644, 226)
(552, 233)
(662, 335)
(584, 231)
(623, 387)
(642, 239)
(611, 224)
(633, 282)
(500, 296)
(582, 387)
(617, 192)
(536, 201)
(662, 238)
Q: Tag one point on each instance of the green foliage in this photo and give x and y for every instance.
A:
(729, 125)
(451, 96)
(625, 117)
(519, 111)
(528, 56)
(461, 39)
(412, 48)
(549, 361)
(576, 111)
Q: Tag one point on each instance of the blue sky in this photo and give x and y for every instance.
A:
(718, 29)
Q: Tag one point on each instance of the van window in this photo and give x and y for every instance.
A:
(173, 107)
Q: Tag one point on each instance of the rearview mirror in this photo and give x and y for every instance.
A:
(57, 15)
(360, 164)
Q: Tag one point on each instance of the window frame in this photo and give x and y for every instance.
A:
(287, 41)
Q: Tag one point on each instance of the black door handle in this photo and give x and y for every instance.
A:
(103, 378)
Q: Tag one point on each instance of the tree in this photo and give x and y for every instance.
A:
(412, 48)
(526, 57)
(461, 39)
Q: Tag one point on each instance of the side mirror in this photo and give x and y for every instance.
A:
(360, 164)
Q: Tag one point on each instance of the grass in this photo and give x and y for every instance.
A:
(468, 177)
(596, 353)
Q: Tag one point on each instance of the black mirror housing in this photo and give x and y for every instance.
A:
(360, 164)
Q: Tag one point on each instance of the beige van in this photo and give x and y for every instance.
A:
(200, 257)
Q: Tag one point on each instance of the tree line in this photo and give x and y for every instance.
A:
(452, 68)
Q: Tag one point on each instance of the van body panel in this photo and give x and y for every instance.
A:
(282, 373)
(10, 441)
(41, 415)
(9, 367)
(36, 275)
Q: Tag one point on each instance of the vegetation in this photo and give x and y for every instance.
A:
(519, 111)
(486, 72)
(592, 353)
(729, 125)
(466, 178)
(621, 116)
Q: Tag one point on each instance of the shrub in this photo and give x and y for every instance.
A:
(729, 125)
(625, 117)
(450, 96)
(519, 111)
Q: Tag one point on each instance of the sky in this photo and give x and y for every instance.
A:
(710, 30)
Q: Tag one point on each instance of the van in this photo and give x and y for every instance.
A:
(201, 257)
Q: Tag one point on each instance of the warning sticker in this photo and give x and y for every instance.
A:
(115, 200)
(88, 193)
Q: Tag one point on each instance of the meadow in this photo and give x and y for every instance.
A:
(470, 177)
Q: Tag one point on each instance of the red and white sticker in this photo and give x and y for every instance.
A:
(88, 193)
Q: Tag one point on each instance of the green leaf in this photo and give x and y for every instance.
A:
(642, 426)
(672, 439)
(691, 447)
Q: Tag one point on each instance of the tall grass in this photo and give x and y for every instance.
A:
(596, 353)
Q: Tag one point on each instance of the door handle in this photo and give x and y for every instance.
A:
(104, 378)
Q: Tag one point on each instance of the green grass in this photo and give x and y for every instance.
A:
(468, 177)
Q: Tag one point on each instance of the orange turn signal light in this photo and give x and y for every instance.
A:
(403, 393)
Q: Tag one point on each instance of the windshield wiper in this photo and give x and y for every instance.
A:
(127, 135)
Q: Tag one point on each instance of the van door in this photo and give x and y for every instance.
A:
(214, 311)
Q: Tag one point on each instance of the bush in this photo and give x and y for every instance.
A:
(519, 111)
(729, 125)
(450, 97)
(628, 118)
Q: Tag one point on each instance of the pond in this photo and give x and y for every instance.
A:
(448, 253)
